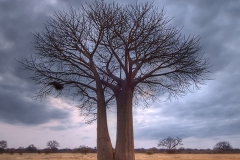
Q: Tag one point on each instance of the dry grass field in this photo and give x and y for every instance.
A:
(139, 156)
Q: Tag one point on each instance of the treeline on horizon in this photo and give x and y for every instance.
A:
(85, 149)
(169, 143)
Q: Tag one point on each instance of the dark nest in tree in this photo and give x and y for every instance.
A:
(56, 85)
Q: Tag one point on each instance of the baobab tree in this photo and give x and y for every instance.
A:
(107, 51)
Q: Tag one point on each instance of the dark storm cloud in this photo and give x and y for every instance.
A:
(203, 117)
(76, 4)
(20, 111)
(19, 108)
(214, 21)
(208, 113)
(18, 20)
(213, 111)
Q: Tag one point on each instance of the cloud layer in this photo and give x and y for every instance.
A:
(209, 112)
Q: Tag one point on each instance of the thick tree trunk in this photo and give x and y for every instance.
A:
(104, 145)
(124, 140)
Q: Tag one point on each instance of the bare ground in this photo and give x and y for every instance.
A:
(139, 156)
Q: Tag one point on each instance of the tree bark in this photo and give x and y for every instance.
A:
(124, 141)
(104, 145)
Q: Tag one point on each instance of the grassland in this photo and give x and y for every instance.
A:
(139, 156)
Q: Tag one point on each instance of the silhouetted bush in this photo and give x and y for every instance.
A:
(47, 151)
(1, 150)
(20, 150)
(149, 152)
(140, 150)
(152, 150)
(11, 151)
(171, 151)
(31, 149)
(84, 149)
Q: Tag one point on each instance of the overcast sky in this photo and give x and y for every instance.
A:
(202, 118)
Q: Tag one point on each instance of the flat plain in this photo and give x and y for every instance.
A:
(139, 156)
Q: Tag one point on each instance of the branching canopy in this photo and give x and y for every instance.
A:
(120, 45)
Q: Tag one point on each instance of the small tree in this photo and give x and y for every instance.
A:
(3, 145)
(53, 145)
(31, 148)
(223, 146)
(170, 143)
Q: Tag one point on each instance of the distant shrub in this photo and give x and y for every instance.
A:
(149, 152)
(152, 150)
(11, 151)
(31, 149)
(47, 151)
(1, 150)
(75, 150)
(84, 149)
(140, 150)
(20, 150)
(171, 151)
